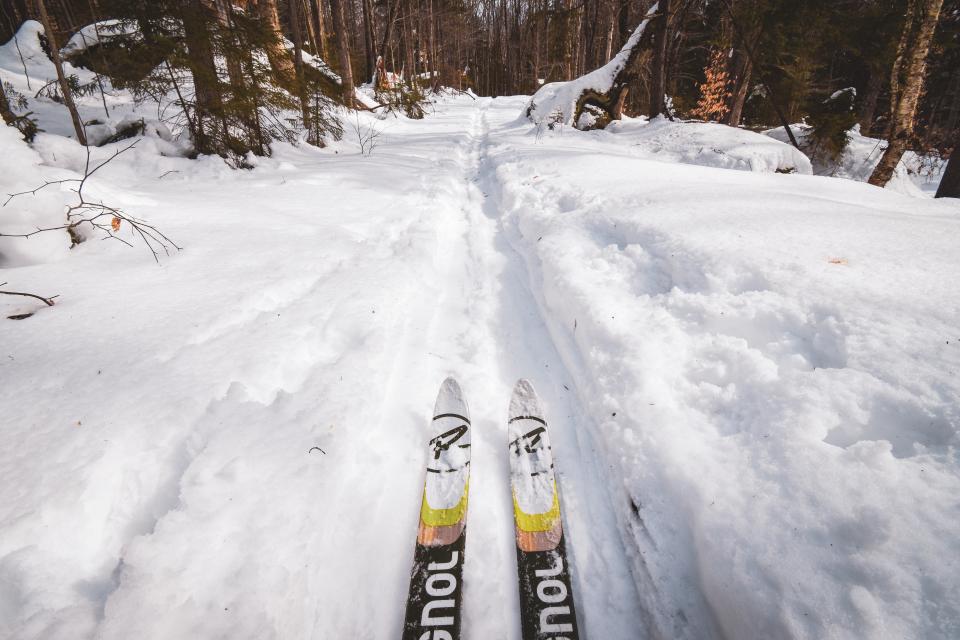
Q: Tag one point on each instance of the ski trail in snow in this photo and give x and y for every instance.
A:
(607, 599)
(482, 325)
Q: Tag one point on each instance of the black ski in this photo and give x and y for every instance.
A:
(436, 581)
(546, 596)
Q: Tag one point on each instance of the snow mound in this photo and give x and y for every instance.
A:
(767, 363)
(97, 33)
(20, 171)
(914, 175)
(556, 102)
(711, 144)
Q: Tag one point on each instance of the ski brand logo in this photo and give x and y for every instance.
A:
(441, 609)
(555, 617)
(445, 440)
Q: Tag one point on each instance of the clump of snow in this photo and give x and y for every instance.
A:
(20, 170)
(557, 101)
(709, 144)
(914, 175)
(99, 33)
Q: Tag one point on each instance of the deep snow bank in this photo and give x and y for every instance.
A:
(709, 144)
(770, 365)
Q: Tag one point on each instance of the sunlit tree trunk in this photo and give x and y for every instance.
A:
(906, 83)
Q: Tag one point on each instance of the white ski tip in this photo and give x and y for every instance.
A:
(450, 400)
(524, 402)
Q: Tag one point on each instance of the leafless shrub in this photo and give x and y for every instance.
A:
(103, 217)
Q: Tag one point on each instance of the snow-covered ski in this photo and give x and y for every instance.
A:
(546, 596)
(433, 604)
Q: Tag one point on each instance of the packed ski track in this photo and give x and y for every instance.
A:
(750, 381)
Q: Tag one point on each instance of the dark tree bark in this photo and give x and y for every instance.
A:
(868, 108)
(208, 101)
(61, 78)
(658, 66)
(950, 182)
(906, 83)
(369, 40)
(343, 50)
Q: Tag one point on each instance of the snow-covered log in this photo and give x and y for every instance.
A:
(593, 100)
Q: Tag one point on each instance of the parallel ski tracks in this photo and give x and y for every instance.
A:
(606, 589)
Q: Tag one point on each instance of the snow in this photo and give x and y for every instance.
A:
(708, 144)
(913, 175)
(556, 102)
(94, 34)
(750, 379)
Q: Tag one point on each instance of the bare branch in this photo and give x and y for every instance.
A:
(48, 301)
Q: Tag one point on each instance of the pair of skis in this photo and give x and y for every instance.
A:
(436, 581)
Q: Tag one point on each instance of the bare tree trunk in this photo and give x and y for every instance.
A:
(658, 79)
(298, 67)
(906, 83)
(369, 38)
(322, 33)
(742, 88)
(64, 86)
(343, 50)
(280, 61)
(950, 181)
(205, 81)
(868, 108)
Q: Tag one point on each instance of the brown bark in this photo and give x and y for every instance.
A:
(343, 50)
(61, 79)
(322, 31)
(280, 60)
(906, 83)
(741, 89)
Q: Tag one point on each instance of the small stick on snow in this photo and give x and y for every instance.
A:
(48, 301)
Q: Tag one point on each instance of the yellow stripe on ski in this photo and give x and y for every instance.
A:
(444, 517)
(537, 521)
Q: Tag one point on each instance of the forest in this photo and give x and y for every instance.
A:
(890, 66)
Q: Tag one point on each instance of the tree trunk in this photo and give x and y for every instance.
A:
(280, 60)
(868, 109)
(322, 31)
(742, 88)
(203, 68)
(369, 40)
(906, 83)
(343, 51)
(658, 71)
(312, 138)
(950, 181)
(58, 64)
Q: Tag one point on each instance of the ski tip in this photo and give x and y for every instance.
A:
(450, 400)
(524, 401)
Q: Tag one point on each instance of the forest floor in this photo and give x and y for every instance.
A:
(752, 382)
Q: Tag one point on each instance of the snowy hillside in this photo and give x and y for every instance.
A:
(752, 381)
